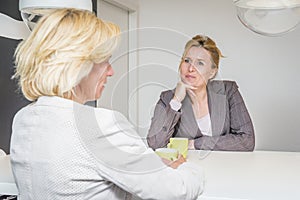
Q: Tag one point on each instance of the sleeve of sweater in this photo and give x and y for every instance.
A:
(125, 160)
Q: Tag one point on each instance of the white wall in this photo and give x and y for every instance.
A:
(265, 68)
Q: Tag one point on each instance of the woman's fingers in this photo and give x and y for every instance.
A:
(188, 86)
(174, 164)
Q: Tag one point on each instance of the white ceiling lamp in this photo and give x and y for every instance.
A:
(269, 17)
(32, 10)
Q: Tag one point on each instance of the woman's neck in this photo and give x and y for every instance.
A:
(200, 102)
(201, 94)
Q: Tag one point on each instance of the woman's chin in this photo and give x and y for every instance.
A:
(190, 83)
(99, 93)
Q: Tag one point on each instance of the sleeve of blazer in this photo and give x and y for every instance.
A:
(163, 122)
(241, 134)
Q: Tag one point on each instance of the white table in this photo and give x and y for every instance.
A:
(7, 183)
(259, 175)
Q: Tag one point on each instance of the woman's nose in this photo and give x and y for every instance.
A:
(191, 67)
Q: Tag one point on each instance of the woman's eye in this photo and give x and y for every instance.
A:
(186, 60)
(200, 63)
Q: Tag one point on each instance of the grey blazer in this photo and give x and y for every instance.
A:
(232, 128)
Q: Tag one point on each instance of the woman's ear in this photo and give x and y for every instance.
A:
(213, 73)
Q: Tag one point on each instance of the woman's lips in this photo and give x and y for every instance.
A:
(189, 77)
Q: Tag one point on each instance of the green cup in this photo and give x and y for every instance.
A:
(167, 153)
(181, 144)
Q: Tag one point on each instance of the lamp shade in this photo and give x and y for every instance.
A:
(269, 17)
(79, 4)
(32, 10)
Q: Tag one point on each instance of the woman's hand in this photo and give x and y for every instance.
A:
(180, 91)
(191, 145)
(176, 163)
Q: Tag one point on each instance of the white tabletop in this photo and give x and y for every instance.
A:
(259, 175)
(7, 183)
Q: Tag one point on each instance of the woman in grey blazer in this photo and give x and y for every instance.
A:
(210, 113)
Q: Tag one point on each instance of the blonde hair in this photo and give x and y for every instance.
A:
(208, 44)
(61, 51)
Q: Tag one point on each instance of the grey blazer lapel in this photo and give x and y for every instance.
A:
(217, 108)
(188, 125)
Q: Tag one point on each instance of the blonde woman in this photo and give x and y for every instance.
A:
(210, 113)
(63, 149)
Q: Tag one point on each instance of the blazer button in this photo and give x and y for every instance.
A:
(164, 129)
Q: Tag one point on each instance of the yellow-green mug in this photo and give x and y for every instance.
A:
(167, 153)
(181, 144)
